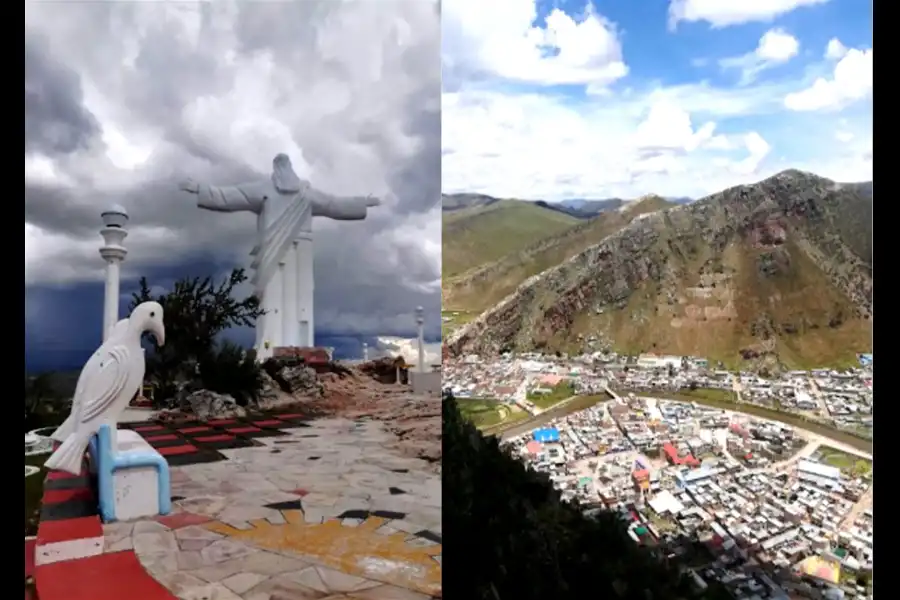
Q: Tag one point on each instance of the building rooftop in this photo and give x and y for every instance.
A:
(819, 469)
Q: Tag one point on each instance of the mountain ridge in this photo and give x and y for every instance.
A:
(580, 208)
(479, 288)
(655, 281)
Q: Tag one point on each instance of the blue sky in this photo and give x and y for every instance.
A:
(624, 98)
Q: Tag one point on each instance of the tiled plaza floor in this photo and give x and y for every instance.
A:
(322, 512)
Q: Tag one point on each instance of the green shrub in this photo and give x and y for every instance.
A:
(229, 369)
(197, 312)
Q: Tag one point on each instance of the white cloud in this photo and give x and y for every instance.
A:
(722, 13)
(668, 128)
(42, 170)
(850, 82)
(535, 146)
(639, 137)
(775, 47)
(757, 149)
(844, 136)
(498, 38)
(407, 348)
(835, 50)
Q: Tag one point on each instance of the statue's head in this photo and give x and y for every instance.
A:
(283, 176)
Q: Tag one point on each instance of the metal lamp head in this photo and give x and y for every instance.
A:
(115, 217)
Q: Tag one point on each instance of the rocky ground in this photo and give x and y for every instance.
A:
(366, 390)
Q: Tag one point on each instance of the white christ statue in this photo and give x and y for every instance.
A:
(283, 256)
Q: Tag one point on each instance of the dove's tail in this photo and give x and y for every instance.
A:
(70, 456)
(64, 430)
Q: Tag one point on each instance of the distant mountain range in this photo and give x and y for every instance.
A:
(580, 208)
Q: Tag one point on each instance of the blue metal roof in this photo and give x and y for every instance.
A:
(548, 434)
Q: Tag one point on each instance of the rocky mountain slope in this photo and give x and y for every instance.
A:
(483, 287)
(780, 267)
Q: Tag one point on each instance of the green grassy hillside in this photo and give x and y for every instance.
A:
(479, 289)
(475, 236)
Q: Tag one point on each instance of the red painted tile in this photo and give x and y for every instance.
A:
(57, 475)
(174, 450)
(268, 423)
(243, 429)
(182, 519)
(110, 576)
(217, 422)
(300, 492)
(291, 416)
(56, 496)
(68, 529)
(215, 438)
(168, 437)
(29, 557)
(193, 430)
(149, 428)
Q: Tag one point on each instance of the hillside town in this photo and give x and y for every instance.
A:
(768, 509)
(839, 399)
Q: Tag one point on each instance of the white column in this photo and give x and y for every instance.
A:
(420, 325)
(113, 252)
(289, 323)
(305, 290)
(271, 325)
(111, 297)
(365, 352)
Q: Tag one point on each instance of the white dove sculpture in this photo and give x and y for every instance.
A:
(109, 385)
(68, 426)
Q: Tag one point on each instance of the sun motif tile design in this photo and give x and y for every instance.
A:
(358, 550)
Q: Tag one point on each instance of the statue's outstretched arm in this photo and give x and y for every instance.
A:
(347, 208)
(232, 198)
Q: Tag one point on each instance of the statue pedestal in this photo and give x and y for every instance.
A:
(428, 384)
(315, 357)
(132, 477)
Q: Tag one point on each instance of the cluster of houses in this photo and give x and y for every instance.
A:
(737, 485)
(841, 398)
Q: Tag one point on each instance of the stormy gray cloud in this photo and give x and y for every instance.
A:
(58, 122)
(123, 100)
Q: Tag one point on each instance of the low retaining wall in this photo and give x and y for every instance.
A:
(425, 383)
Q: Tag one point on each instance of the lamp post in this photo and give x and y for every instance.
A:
(420, 324)
(113, 252)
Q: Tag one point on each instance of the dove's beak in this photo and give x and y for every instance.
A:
(158, 330)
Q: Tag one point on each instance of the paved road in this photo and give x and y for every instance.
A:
(861, 505)
(737, 387)
(819, 396)
(827, 441)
